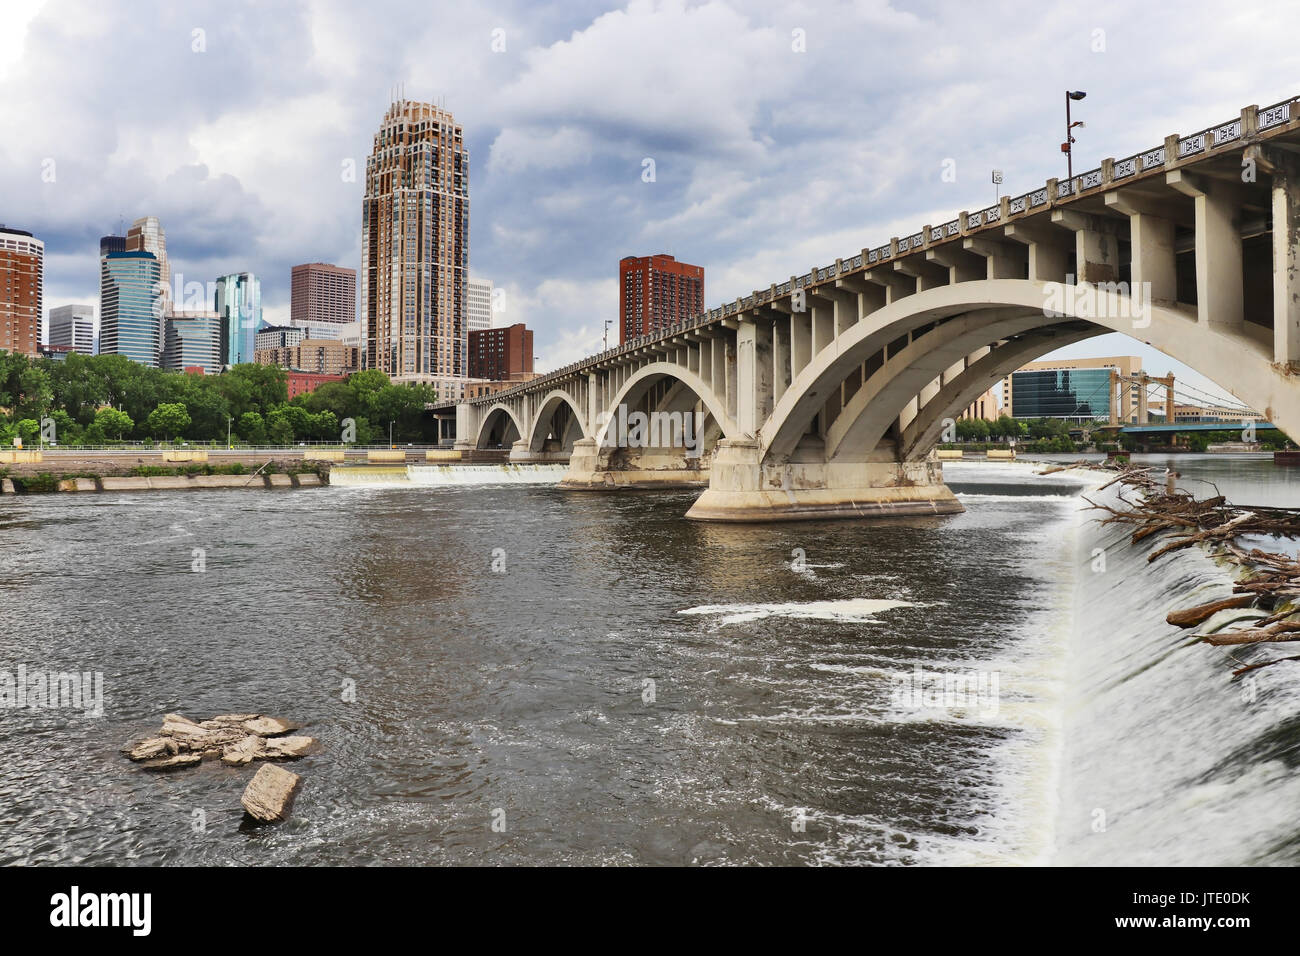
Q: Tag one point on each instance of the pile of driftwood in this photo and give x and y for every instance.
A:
(1268, 581)
(236, 740)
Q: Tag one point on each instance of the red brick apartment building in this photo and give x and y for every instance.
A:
(503, 354)
(656, 292)
(22, 278)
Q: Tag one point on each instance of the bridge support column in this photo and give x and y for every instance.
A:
(1219, 272)
(521, 453)
(1284, 168)
(744, 488)
(595, 469)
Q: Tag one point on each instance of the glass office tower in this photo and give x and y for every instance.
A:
(130, 314)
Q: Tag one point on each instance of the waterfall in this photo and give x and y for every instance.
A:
(432, 476)
(1165, 759)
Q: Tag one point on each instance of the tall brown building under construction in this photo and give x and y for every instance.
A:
(415, 248)
(320, 292)
(22, 284)
(656, 292)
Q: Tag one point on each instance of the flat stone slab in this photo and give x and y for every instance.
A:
(269, 795)
(175, 763)
(268, 726)
(287, 748)
(151, 749)
(245, 751)
(227, 721)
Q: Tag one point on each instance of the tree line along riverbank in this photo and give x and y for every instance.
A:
(99, 399)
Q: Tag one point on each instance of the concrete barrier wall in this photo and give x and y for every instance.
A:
(14, 456)
(950, 454)
(442, 454)
(182, 483)
(385, 454)
(1001, 453)
(174, 455)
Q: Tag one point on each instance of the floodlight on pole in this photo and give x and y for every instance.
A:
(1068, 146)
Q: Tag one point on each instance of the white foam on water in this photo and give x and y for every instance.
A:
(1166, 759)
(980, 495)
(442, 476)
(851, 609)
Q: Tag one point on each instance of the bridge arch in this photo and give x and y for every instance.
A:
(500, 427)
(921, 434)
(682, 396)
(946, 314)
(573, 428)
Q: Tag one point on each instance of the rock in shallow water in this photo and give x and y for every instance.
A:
(174, 763)
(268, 726)
(288, 747)
(269, 795)
(244, 751)
(151, 748)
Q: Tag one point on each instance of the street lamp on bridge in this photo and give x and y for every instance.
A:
(1067, 146)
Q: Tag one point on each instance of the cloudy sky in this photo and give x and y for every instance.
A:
(783, 134)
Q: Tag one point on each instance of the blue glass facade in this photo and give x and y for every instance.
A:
(131, 307)
(1062, 393)
(239, 303)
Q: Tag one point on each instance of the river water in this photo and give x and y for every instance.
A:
(509, 673)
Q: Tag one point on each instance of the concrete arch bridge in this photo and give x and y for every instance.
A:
(823, 395)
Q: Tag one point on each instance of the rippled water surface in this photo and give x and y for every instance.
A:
(632, 688)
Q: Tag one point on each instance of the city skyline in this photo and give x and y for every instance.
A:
(751, 188)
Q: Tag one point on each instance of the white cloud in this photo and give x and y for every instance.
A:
(768, 160)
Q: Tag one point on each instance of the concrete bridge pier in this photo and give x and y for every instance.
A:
(594, 468)
(522, 452)
(807, 487)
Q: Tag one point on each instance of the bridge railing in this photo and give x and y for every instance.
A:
(1268, 121)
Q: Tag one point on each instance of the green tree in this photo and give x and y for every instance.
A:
(252, 428)
(279, 430)
(28, 429)
(67, 430)
(169, 418)
(113, 423)
(252, 388)
(207, 408)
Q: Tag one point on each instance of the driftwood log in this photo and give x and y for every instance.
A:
(1192, 616)
(1269, 580)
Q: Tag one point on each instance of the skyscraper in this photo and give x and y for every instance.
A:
(415, 248)
(73, 326)
(22, 291)
(192, 340)
(479, 310)
(107, 244)
(239, 303)
(656, 292)
(130, 321)
(146, 235)
(320, 292)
